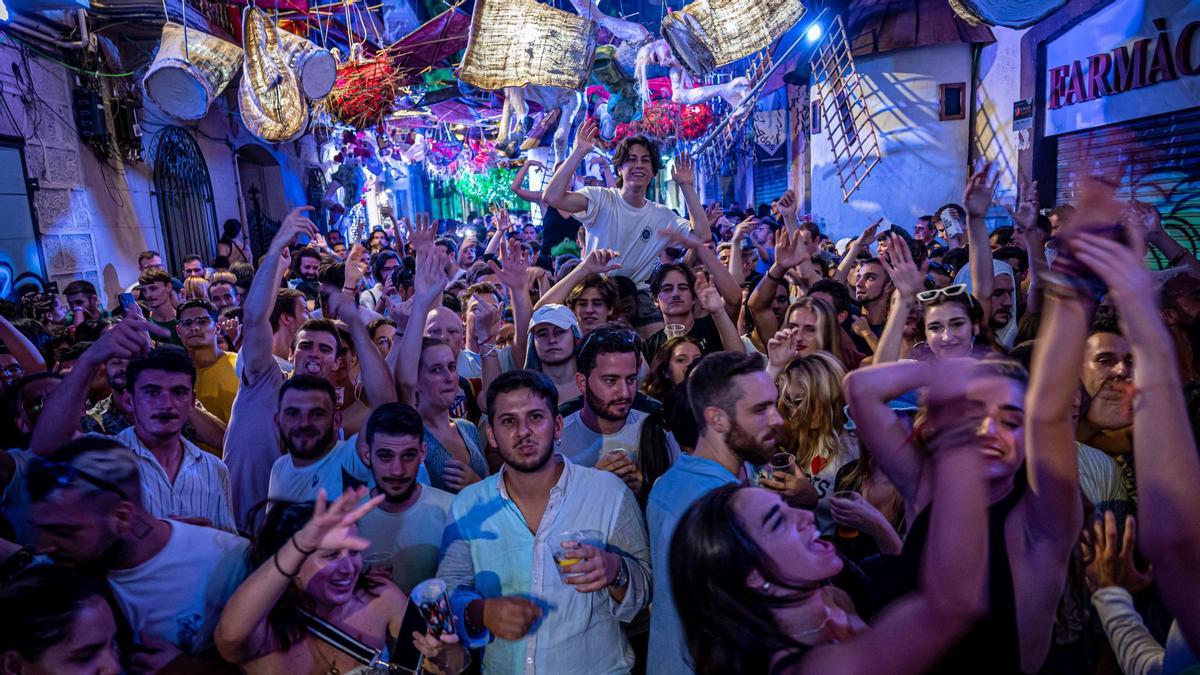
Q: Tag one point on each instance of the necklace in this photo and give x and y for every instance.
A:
(333, 669)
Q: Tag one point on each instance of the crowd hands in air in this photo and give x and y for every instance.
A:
(623, 441)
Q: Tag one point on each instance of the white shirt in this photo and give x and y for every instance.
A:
(585, 447)
(413, 536)
(611, 222)
(470, 364)
(200, 489)
(340, 469)
(178, 595)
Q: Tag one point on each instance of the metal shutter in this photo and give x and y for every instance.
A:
(1155, 160)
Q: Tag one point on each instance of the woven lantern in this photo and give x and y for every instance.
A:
(365, 91)
(707, 34)
(518, 42)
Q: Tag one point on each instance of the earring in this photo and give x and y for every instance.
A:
(766, 587)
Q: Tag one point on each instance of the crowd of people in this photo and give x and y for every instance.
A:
(623, 441)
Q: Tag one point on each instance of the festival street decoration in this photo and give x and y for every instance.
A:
(365, 92)
(271, 103)
(524, 42)
(189, 71)
(707, 34)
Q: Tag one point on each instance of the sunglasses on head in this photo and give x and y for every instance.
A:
(46, 476)
(949, 292)
(610, 337)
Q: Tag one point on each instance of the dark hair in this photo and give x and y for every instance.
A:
(309, 383)
(626, 287)
(394, 419)
(332, 272)
(244, 272)
(305, 252)
(286, 618)
(449, 244)
(73, 351)
(842, 302)
(956, 259)
(605, 286)
(377, 323)
(711, 383)
(660, 274)
(379, 260)
(167, 358)
(1006, 253)
(91, 330)
(147, 255)
(192, 256)
(610, 338)
(621, 154)
(658, 382)
(324, 326)
(154, 275)
(80, 286)
(729, 627)
(198, 304)
(515, 380)
(38, 608)
(285, 303)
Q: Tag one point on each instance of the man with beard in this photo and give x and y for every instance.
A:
(607, 432)
(498, 537)
(253, 444)
(178, 479)
(872, 289)
(171, 579)
(409, 523)
(306, 266)
(733, 400)
(1107, 379)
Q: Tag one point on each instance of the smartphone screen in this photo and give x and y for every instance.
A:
(127, 301)
(403, 652)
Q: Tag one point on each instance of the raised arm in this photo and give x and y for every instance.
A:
(789, 252)
(1146, 219)
(376, 378)
(848, 260)
(1034, 239)
(710, 301)
(868, 391)
(428, 283)
(913, 632)
(730, 290)
(21, 348)
(528, 195)
(908, 281)
(978, 199)
(515, 276)
(557, 193)
(243, 632)
(1168, 465)
(599, 261)
(256, 354)
(129, 339)
(684, 175)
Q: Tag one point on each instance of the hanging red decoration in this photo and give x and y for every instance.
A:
(694, 121)
(365, 90)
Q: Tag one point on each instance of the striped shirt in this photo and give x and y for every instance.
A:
(200, 489)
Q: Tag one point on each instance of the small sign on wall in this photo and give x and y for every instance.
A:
(1023, 114)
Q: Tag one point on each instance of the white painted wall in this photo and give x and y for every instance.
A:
(95, 219)
(998, 86)
(924, 160)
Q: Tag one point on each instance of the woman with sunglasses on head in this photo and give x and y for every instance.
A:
(309, 608)
(754, 583)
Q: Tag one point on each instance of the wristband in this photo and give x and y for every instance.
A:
(778, 281)
(302, 551)
(1178, 257)
(278, 568)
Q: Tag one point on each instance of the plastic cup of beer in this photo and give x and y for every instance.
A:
(850, 496)
(674, 330)
(566, 549)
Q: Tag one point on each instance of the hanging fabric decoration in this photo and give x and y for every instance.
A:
(315, 67)
(525, 42)
(272, 106)
(184, 78)
(707, 34)
(366, 90)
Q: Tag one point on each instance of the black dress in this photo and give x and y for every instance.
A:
(992, 645)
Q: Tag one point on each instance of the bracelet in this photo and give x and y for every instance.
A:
(778, 281)
(278, 568)
(1178, 257)
(302, 551)
(491, 351)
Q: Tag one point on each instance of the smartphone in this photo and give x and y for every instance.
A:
(950, 223)
(1067, 270)
(403, 653)
(128, 302)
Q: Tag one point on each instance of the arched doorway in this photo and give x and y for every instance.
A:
(262, 195)
(185, 198)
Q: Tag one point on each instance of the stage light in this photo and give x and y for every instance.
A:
(813, 33)
(3, 11)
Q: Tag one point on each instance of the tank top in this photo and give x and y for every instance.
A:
(992, 645)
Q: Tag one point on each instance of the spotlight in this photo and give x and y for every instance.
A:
(813, 33)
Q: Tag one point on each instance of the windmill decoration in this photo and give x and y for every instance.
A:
(852, 135)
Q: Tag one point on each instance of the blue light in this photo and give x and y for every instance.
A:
(3, 11)
(813, 33)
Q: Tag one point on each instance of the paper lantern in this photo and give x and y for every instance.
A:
(707, 34)
(365, 91)
(518, 42)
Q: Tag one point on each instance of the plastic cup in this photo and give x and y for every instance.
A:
(848, 495)
(564, 547)
(674, 330)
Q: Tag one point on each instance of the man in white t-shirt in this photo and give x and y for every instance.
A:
(171, 579)
(409, 523)
(621, 218)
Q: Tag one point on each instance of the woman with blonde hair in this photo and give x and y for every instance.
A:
(195, 288)
(811, 404)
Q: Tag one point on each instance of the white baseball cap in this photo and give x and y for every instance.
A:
(556, 315)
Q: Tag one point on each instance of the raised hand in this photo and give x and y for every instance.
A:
(684, 171)
(331, 526)
(900, 267)
(790, 249)
(1025, 215)
(356, 266)
(1144, 218)
(457, 475)
(431, 277)
(296, 223)
(515, 273)
(601, 261)
(714, 212)
(684, 238)
(588, 136)
(743, 229)
(1110, 564)
(782, 348)
(1119, 266)
(868, 235)
(787, 206)
(617, 462)
(977, 198)
(707, 296)
(423, 233)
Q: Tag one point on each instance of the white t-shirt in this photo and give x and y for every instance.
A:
(413, 537)
(178, 595)
(585, 447)
(341, 469)
(610, 222)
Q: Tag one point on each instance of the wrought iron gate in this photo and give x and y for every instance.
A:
(185, 198)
